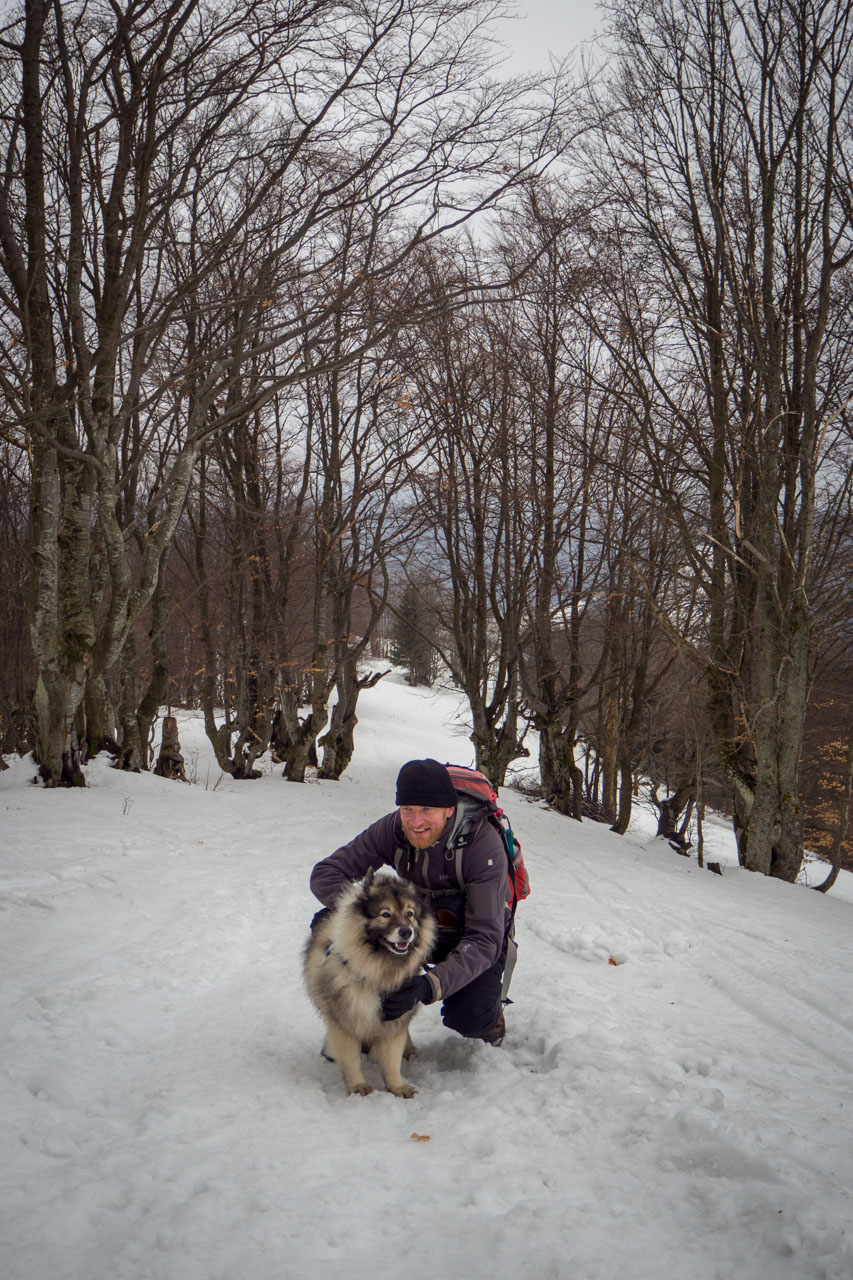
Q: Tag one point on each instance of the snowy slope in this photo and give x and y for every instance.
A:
(673, 1098)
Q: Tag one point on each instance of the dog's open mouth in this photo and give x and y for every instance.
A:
(398, 948)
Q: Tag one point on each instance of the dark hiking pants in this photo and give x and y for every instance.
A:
(473, 1010)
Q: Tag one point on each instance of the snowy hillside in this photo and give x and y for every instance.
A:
(673, 1100)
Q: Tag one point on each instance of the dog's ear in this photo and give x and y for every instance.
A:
(368, 879)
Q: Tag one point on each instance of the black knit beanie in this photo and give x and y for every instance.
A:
(427, 783)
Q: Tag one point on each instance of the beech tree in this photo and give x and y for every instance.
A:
(724, 149)
(467, 492)
(16, 671)
(556, 371)
(309, 491)
(143, 147)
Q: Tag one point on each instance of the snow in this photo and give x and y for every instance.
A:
(672, 1100)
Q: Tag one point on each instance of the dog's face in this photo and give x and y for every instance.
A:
(393, 916)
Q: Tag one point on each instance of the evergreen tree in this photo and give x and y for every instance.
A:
(410, 647)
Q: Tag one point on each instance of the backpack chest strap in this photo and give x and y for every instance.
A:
(454, 853)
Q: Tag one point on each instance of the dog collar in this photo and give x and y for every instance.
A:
(330, 948)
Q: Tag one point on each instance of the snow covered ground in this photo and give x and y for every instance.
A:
(673, 1098)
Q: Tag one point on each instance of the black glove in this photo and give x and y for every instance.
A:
(416, 991)
(320, 915)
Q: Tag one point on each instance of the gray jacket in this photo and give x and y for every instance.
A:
(482, 909)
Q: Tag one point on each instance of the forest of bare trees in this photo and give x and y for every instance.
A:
(323, 341)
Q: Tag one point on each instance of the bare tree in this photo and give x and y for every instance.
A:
(17, 675)
(467, 491)
(725, 148)
(143, 148)
(554, 361)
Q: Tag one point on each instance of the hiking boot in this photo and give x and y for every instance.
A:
(497, 1033)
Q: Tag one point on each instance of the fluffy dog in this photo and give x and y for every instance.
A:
(375, 939)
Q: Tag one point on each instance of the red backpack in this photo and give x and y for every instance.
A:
(478, 800)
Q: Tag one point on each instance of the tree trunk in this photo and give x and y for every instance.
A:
(155, 695)
(843, 823)
(100, 733)
(297, 745)
(297, 750)
(773, 836)
(609, 749)
(626, 794)
(170, 762)
(671, 809)
(57, 698)
(61, 623)
(561, 777)
(496, 745)
(338, 742)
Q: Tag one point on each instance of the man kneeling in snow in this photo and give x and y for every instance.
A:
(473, 922)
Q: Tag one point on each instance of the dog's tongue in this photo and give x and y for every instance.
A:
(401, 946)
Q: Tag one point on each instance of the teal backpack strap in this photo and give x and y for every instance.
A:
(511, 957)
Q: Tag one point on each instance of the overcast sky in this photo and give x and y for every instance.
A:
(544, 27)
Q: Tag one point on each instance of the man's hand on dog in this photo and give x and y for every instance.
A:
(416, 991)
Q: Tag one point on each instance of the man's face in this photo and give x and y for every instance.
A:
(423, 824)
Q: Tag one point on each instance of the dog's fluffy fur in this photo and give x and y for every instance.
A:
(375, 939)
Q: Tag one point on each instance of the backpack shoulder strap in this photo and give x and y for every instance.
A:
(457, 863)
(469, 814)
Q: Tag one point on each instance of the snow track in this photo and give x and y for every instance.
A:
(672, 1100)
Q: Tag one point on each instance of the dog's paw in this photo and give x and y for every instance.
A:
(410, 1051)
(404, 1090)
(362, 1089)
